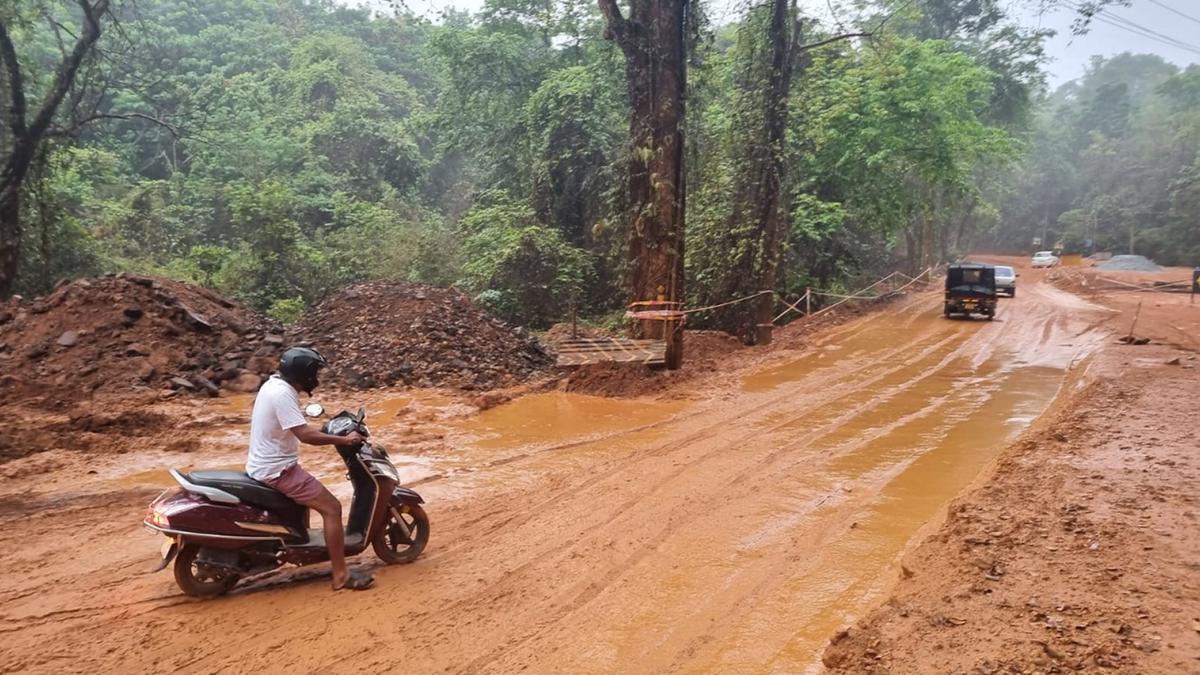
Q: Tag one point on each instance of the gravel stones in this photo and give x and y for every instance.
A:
(125, 332)
(382, 333)
(1129, 263)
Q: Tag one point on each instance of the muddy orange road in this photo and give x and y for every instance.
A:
(586, 535)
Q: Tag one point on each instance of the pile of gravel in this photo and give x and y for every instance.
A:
(126, 331)
(1129, 263)
(381, 333)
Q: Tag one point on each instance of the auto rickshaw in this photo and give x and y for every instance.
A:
(970, 289)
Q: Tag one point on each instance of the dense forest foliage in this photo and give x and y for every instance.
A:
(1111, 165)
(276, 149)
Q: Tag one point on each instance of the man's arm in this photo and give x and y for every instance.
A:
(312, 436)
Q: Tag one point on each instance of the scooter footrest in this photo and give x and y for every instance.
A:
(316, 539)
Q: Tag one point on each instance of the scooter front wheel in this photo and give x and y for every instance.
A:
(199, 582)
(401, 541)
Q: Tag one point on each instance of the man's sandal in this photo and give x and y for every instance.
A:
(357, 582)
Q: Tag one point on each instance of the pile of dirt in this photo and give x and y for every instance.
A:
(128, 332)
(618, 380)
(381, 333)
(1129, 263)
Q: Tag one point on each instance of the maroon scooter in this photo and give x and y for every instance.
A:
(222, 526)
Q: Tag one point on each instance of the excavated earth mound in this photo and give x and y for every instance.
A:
(1129, 263)
(128, 332)
(381, 333)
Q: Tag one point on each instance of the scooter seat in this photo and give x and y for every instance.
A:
(245, 488)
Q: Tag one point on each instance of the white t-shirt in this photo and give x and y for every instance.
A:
(273, 447)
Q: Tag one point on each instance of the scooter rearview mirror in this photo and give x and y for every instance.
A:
(314, 410)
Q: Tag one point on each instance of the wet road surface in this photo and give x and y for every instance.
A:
(576, 534)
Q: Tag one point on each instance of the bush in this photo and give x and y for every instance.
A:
(287, 310)
(524, 272)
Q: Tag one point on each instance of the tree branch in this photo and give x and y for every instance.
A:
(70, 66)
(866, 34)
(830, 40)
(16, 83)
(616, 26)
(175, 131)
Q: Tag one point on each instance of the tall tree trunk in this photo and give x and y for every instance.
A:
(784, 35)
(10, 236)
(652, 39)
(26, 137)
(960, 233)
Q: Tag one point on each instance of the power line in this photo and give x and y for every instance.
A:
(1175, 11)
(1109, 18)
(1170, 42)
(1168, 38)
(1141, 31)
(1149, 34)
(1127, 25)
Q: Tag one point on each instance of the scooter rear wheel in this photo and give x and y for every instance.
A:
(391, 544)
(198, 582)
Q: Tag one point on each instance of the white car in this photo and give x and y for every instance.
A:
(1043, 259)
(1006, 280)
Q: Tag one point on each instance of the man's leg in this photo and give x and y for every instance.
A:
(335, 537)
(306, 490)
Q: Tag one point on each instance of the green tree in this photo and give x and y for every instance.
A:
(519, 270)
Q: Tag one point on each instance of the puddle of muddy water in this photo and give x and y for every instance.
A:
(559, 417)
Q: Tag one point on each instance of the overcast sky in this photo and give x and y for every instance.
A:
(1148, 26)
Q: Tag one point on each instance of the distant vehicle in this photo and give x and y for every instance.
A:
(970, 289)
(1043, 259)
(1006, 280)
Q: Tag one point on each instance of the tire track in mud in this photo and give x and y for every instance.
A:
(481, 539)
(941, 365)
(520, 577)
(621, 465)
(595, 588)
(512, 576)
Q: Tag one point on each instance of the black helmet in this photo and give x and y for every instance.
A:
(299, 366)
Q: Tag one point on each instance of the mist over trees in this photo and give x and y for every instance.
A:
(277, 150)
(1111, 165)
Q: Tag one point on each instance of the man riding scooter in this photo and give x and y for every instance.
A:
(277, 428)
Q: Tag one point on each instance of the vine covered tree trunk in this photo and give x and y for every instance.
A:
(757, 221)
(784, 35)
(652, 39)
